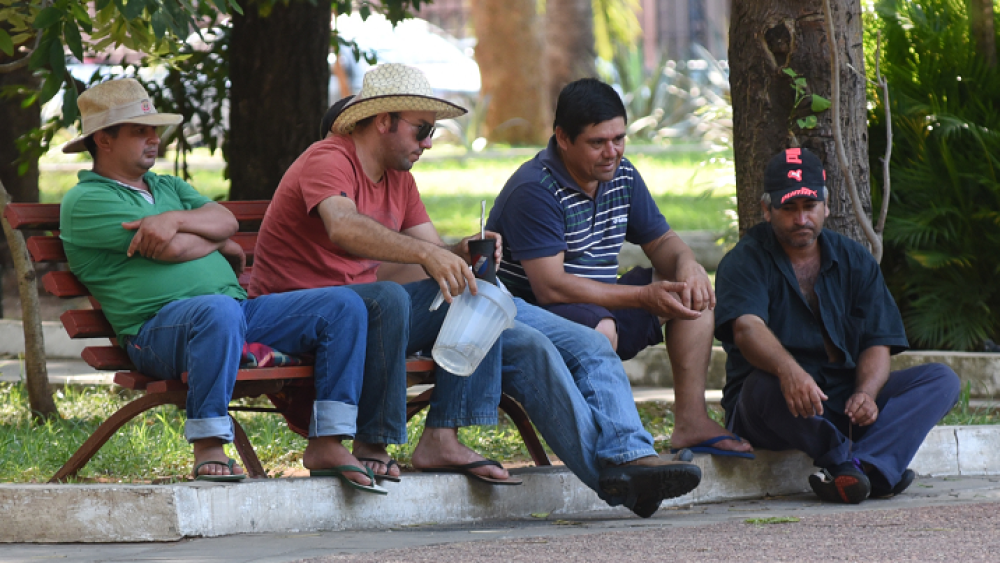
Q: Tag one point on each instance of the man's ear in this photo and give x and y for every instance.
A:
(102, 140)
(383, 122)
(767, 211)
(562, 138)
(826, 210)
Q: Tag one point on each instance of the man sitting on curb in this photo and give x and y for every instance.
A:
(564, 216)
(351, 205)
(157, 255)
(809, 326)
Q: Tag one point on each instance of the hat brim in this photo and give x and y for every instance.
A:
(367, 107)
(154, 119)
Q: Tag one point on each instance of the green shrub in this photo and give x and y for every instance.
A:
(943, 229)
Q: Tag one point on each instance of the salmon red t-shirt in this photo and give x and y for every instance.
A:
(293, 249)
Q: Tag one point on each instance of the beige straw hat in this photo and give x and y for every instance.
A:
(114, 102)
(389, 88)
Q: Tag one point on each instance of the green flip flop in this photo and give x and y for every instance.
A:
(233, 476)
(339, 471)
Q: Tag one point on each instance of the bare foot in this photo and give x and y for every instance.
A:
(375, 451)
(210, 449)
(689, 433)
(326, 452)
(439, 447)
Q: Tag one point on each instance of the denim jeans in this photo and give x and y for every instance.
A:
(910, 404)
(382, 408)
(204, 336)
(456, 400)
(572, 384)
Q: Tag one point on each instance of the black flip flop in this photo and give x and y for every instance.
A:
(466, 469)
(388, 465)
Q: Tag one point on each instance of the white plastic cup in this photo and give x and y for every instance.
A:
(471, 327)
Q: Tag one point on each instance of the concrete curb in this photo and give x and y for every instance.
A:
(139, 513)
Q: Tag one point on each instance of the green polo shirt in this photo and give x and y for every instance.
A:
(132, 290)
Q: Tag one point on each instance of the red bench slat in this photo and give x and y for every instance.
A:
(33, 216)
(84, 323)
(64, 284)
(107, 358)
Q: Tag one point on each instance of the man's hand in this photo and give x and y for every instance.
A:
(698, 295)
(153, 234)
(803, 396)
(861, 409)
(662, 298)
(450, 271)
(234, 254)
(462, 248)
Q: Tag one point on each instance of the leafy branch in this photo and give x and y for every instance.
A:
(817, 104)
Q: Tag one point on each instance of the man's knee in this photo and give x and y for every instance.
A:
(761, 394)
(609, 328)
(217, 313)
(386, 302)
(943, 380)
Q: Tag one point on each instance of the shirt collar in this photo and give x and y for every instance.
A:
(770, 242)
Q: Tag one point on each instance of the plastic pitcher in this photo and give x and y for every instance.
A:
(471, 327)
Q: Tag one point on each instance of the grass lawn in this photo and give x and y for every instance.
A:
(691, 194)
(152, 448)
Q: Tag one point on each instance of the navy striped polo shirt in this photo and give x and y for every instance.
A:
(541, 212)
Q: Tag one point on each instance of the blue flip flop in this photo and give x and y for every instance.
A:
(706, 447)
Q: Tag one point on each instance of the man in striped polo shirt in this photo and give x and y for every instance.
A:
(563, 217)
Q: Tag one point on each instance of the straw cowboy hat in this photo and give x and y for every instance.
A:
(389, 88)
(115, 102)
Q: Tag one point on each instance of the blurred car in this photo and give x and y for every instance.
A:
(450, 68)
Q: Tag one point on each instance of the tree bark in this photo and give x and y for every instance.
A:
(16, 121)
(982, 30)
(569, 43)
(766, 37)
(280, 78)
(509, 52)
(37, 375)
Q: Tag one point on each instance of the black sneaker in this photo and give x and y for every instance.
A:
(844, 482)
(646, 486)
(905, 480)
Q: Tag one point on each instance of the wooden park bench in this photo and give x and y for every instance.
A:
(41, 224)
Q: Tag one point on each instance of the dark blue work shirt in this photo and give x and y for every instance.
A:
(541, 212)
(855, 309)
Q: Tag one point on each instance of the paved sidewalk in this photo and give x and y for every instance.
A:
(944, 518)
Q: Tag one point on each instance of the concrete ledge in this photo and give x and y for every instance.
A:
(651, 368)
(57, 343)
(139, 513)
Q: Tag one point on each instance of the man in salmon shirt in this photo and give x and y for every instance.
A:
(348, 212)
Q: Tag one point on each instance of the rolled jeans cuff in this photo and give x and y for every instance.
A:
(220, 427)
(333, 418)
(436, 419)
(628, 456)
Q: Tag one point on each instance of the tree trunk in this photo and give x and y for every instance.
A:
(280, 78)
(766, 37)
(16, 121)
(37, 375)
(569, 43)
(509, 53)
(982, 31)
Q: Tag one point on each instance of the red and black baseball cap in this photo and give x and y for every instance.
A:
(794, 173)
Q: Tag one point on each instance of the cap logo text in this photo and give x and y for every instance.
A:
(798, 193)
(797, 174)
(793, 156)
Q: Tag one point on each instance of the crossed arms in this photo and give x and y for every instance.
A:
(182, 236)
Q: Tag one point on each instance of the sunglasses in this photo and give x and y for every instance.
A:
(424, 130)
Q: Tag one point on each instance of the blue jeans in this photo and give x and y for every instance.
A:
(910, 404)
(456, 400)
(573, 387)
(204, 336)
(382, 408)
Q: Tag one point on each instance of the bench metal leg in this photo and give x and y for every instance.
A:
(507, 405)
(528, 435)
(251, 463)
(108, 428)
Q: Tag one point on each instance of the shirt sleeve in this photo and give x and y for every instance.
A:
(741, 288)
(189, 197)
(94, 220)
(532, 223)
(874, 303)
(645, 222)
(326, 174)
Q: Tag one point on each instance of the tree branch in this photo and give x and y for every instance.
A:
(22, 62)
(883, 84)
(838, 137)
